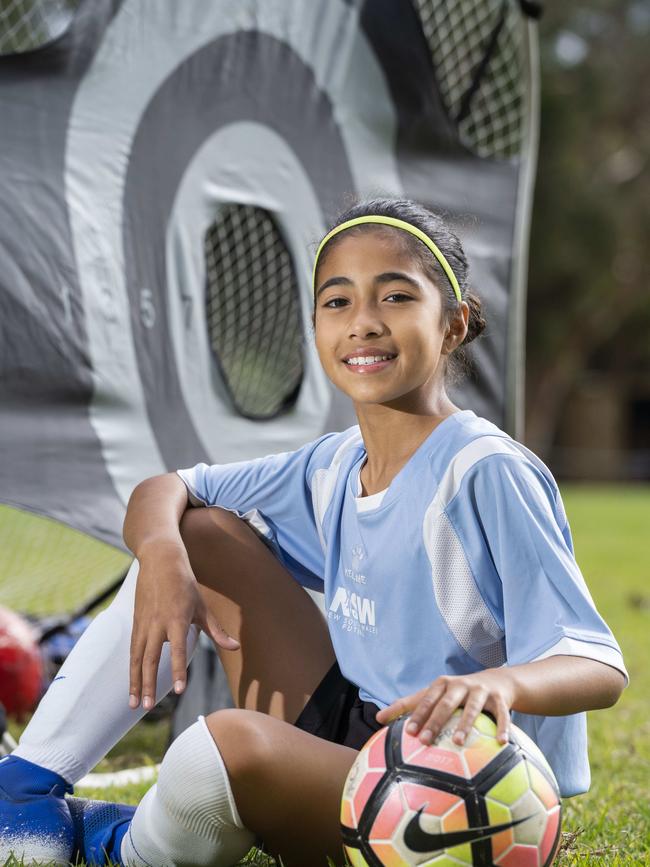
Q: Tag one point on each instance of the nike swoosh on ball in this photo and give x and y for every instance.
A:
(419, 840)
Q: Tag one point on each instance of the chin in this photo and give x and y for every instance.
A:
(375, 397)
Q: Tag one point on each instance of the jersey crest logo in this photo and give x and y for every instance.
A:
(358, 554)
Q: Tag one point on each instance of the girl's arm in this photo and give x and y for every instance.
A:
(167, 599)
(557, 686)
(154, 512)
(508, 509)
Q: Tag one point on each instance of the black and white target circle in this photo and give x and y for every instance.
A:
(191, 113)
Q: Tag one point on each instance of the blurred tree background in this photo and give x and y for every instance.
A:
(588, 340)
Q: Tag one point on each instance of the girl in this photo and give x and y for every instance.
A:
(441, 546)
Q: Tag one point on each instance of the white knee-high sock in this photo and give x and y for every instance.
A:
(86, 710)
(189, 818)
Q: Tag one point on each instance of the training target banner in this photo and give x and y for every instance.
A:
(166, 170)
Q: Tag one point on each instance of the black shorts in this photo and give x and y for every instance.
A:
(336, 713)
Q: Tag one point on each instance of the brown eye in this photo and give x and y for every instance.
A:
(333, 303)
(398, 297)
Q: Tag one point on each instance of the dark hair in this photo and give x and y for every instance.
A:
(448, 243)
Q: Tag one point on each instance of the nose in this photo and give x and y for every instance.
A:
(366, 322)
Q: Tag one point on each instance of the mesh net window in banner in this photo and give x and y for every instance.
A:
(26, 25)
(253, 311)
(476, 49)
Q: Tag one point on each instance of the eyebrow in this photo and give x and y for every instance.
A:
(391, 276)
(380, 279)
(334, 281)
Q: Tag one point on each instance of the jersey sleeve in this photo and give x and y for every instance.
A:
(544, 606)
(273, 495)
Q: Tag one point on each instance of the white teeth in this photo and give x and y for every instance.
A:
(368, 359)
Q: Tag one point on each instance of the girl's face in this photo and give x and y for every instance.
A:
(380, 331)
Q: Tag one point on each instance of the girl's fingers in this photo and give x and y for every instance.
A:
(178, 651)
(399, 708)
(432, 708)
(446, 703)
(474, 704)
(502, 713)
(135, 667)
(217, 633)
(150, 661)
(424, 710)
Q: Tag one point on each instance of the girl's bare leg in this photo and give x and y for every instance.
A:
(285, 647)
(266, 778)
(287, 784)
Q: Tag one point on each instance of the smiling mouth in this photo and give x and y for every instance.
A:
(369, 360)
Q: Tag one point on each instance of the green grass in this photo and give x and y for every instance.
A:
(611, 824)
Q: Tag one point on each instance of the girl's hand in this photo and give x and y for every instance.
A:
(167, 603)
(492, 690)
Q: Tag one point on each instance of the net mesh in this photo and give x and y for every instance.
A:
(253, 310)
(478, 56)
(47, 568)
(29, 24)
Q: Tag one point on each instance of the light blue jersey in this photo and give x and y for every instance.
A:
(464, 562)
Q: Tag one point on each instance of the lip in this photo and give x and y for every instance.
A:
(365, 369)
(368, 350)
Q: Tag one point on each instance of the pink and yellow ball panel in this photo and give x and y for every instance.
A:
(483, 803)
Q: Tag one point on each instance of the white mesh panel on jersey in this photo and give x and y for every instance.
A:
(459, 601)
(323, 483)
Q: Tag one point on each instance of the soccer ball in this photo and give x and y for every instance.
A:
(21, 664)
(444, 805)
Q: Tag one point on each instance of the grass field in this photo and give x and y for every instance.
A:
(611, 824)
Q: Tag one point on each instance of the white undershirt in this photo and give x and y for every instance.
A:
(371, 501)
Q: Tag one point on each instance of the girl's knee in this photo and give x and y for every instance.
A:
(213, 536)
(210, 529)
(244, 740)
(201, 525)
(189, 816)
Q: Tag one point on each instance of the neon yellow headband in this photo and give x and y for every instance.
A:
(397, 224)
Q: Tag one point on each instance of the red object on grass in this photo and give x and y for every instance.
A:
(21, 664)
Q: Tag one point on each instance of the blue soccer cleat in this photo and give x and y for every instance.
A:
(35, 822)
(99, 829)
